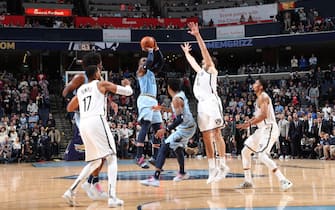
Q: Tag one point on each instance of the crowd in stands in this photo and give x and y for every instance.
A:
(304, 107)
(301, 21)
(27, 129)
(301, 64)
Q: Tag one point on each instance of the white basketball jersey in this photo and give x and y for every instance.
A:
(91, 101)
(204, 85)
(270, 116)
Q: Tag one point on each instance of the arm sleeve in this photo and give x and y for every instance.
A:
(155, 61)
(176, 122)
(150, 59)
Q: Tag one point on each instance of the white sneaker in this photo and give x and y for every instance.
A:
(150, 182)
(98, 192)
(212, 173)
(115, 202)
(222, 173)
(281, 157)
(285, 184)
(69, 197)
(87, 188)
(181, 177)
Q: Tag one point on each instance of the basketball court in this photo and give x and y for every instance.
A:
(39, 186)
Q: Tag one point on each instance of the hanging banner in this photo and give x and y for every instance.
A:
(230, 32)
(233, 15)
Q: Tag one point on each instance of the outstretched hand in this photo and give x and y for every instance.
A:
(194, 28)
(186, 47)
(243, 126)
(160, 133)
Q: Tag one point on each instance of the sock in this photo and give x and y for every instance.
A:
(95, 179)
(211, 163)
(90, 179)
(279, 175)
(247, 175)
(181, 159)
(112, 175)
(222, 161)
(157, 174)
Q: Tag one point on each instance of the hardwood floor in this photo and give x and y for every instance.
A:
(40, 187)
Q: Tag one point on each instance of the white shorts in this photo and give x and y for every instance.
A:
(263, 139)
(210, 114)
(145, 112)
(97, 138)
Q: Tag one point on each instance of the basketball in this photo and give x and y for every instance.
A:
(148, 42)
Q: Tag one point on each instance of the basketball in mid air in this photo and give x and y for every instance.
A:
(148, 42)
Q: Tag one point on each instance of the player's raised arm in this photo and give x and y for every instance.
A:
(194, 30)
(186, 47)
(158, 62)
